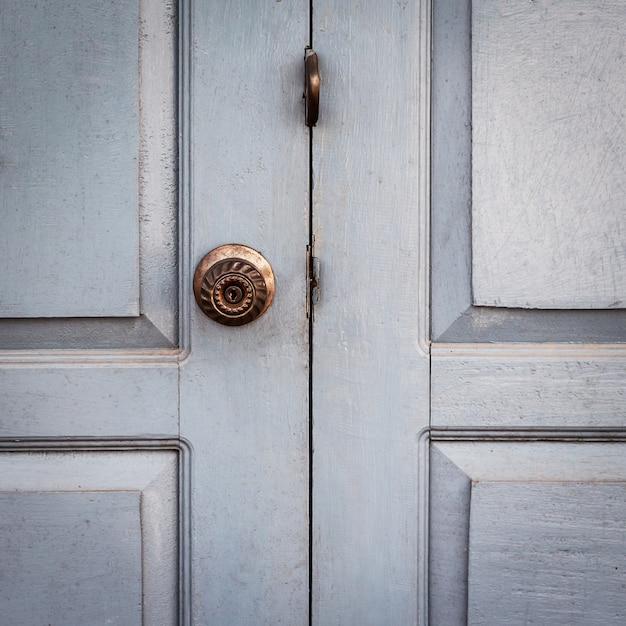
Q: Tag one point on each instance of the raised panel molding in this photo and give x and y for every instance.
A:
(112, 513)
(158, 214)
(455, 318)
(510, 513)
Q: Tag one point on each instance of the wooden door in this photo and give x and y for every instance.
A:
(384, 465)
(155, 464)
(468, 359)
(163, 461)
(527, 472)
(370, 363)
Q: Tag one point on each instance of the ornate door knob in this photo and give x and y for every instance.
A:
(233, 284)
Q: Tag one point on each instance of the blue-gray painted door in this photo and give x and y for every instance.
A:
(528, 369)
(155, 464)
(443, 444)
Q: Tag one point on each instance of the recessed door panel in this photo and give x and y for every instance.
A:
(93, 532)
(548, 552)
(526, 531)
(526, 217)
(90, 176)
(70, 159)
(548, 165)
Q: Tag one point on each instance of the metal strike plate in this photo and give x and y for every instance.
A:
(233, 284)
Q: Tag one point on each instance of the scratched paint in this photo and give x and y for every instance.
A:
(548, 164)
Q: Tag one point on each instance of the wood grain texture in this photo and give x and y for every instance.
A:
(244, 390)
(451, 171)
(103, 522)
(548, 168)
(70, 148)
(547, 553)
(541, 523)
(88, 400)
(525, 390)
(71, 558)
(370, 372)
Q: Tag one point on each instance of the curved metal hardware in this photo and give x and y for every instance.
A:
(311, 87)
(233, 284)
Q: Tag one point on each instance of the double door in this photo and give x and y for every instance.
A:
(305, 457)
(436, 438)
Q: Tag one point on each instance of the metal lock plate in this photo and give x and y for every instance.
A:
(233, 284)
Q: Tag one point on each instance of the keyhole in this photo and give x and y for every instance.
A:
(233, 294)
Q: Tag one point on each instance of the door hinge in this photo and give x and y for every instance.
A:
(313, 281)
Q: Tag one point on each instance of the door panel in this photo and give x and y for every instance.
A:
(91, 530)
(548, 171)
(527, 412)
(457, 166)
(91, 226)
(526, 531)
(70, 171)
(370, 352)
(245, 390)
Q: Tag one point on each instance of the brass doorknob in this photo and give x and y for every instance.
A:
(233, 284)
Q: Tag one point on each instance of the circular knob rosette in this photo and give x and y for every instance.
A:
(233, 284)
